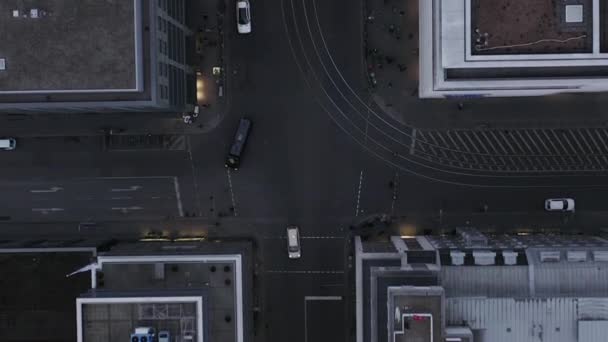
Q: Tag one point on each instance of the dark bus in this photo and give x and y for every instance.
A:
(238, 145)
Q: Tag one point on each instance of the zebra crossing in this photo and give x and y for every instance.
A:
(521, 150)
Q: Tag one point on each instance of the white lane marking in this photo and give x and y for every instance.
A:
(323, 297)
(304, 272)
(413, 143)
(231, 191)
(305, 237)
(131, 188)
(47, 210)
(157, 197)
(127, 209)
(395, 187)
(53, 189)
(135, 177)
(178, 197)
(318, 298)
(359, 193)
(194, 180)
(122, 197)
(321, 237)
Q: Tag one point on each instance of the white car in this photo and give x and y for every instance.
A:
(559, 204)
(243, 16)
(293, 242)
(8, 144)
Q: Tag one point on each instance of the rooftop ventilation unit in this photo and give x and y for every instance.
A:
(2, 64)
(484, 258)
(600, 256)
(510, 257)
(549, 256)
(576, 256)
(457, 258)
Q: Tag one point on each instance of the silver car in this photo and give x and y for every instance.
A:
(293, 242)
(243, 16)
(559, 204)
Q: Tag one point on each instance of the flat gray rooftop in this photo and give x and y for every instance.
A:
(72, 45)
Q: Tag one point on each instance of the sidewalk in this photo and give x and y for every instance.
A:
(391, 53)
(208, 59)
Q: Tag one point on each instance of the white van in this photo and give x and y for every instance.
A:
(7, 144)
(293, 242)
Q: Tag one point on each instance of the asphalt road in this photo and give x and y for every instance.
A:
(299, 77)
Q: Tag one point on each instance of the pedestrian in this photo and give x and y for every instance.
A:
(389, 60)
(391, 28)
(460, 106)
(390, 84)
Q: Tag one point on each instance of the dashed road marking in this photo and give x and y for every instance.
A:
(395, 187)
(127, 209)
(131, 188)
(47, 210)
(178, 197)
(305, 237)
(321, 237)
(194, 180)
(413, 143)
(122, 198)
(359, 193)
(53, 189)
(231, 191)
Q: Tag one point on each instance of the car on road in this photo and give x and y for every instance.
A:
(243, 16)
(293, 242)
(238, 144)
(8, 144)
(559, 204)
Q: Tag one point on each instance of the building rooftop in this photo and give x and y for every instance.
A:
(68, 46)
(511, 287)
(475, 48)
(193, 288)
(532, 27)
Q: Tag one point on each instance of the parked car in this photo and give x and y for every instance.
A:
(559, 204)
(243, 16)
(293, 242)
